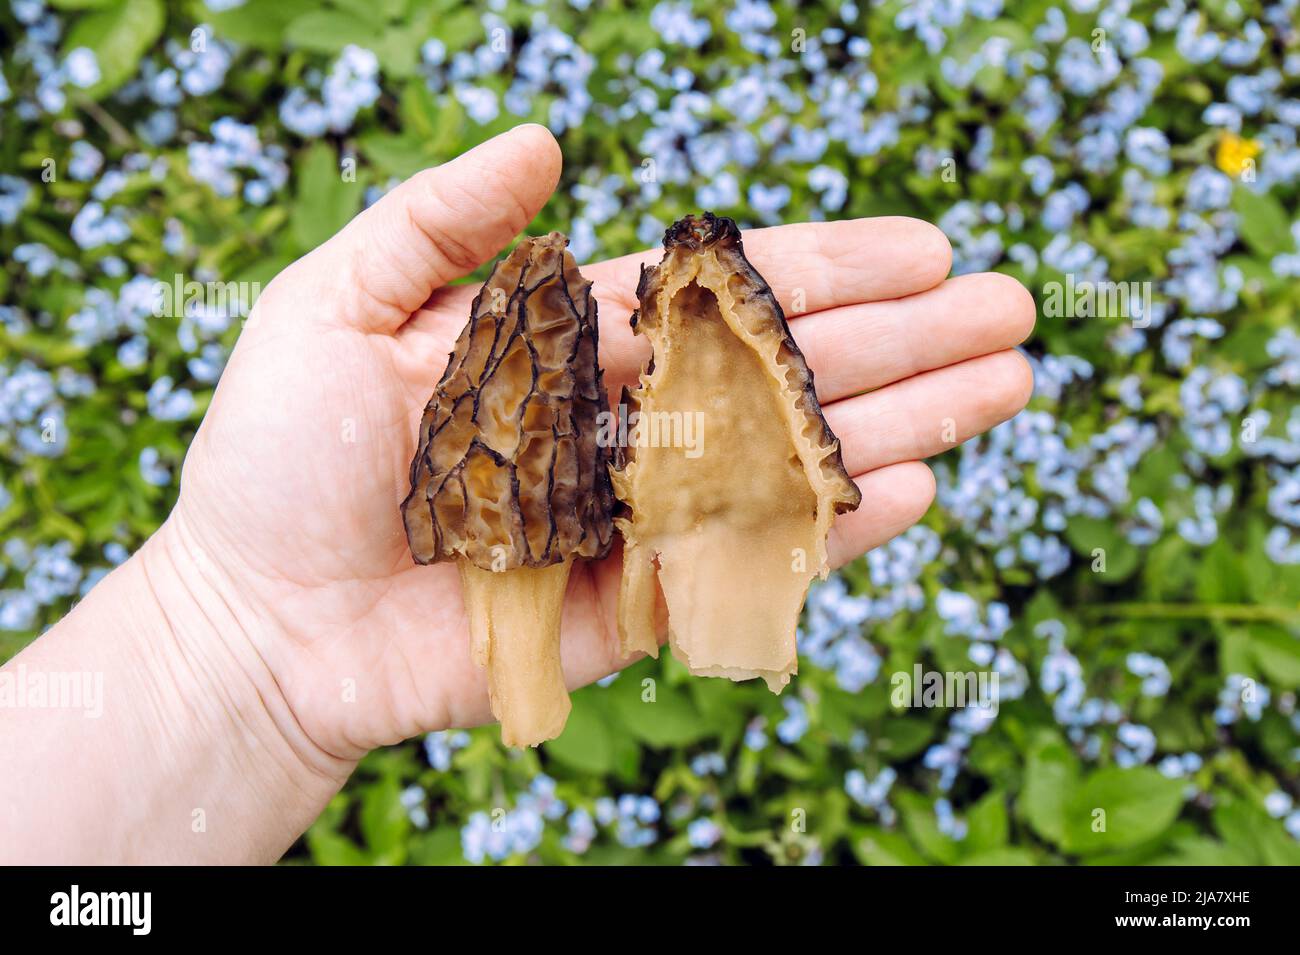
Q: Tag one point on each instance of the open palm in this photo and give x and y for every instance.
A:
(290, 492)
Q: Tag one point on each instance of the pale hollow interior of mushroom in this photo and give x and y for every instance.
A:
(730, 524)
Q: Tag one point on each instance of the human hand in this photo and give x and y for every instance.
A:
(288, 511)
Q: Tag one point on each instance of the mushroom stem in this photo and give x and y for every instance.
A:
(514, 625)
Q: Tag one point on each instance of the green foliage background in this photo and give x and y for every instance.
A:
(1026, 791)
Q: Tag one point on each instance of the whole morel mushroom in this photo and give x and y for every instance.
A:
(730, 526)
(509, 479)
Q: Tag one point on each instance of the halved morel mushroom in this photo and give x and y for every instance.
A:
(509, 479)
(726, 518)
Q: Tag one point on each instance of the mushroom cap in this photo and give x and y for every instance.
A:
(714, 244)
(509, 471)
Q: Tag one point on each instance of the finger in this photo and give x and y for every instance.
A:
(893, 499)
(816, 265)
(860, 347)
(813, 265)
(437, 226)
(930, 413)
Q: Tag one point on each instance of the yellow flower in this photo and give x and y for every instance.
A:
(1235, 154)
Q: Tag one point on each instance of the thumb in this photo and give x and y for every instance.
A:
(439, 225)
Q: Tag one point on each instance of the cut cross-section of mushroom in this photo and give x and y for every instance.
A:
(509, 479)
(729, 477)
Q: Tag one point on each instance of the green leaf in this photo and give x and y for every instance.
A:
(399, 46)
(418, 110)
(384, 822)
(1168, 570)
(1051, 774)
(587, 743)
(670, 719)
(1100, 542)
(398, 49)
(1177, 727)
(437, 847)
(362, 8)
(1155, 473)
(903, 737)
(458, 30)
(923, 828)
(329, 31)
(330, 848)
(987, 826)
(1263, 223)
(1236, 652)
(782, 762)
(119, 36)
(1138, 805)
(721, 705)
(259, 25)
(1251, 831)
(1219, 577)
(398, 155)
(324, 203)
(1277, 652)
(882, 847)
